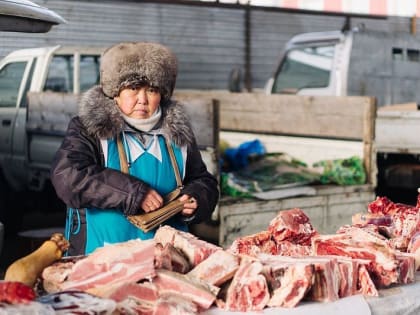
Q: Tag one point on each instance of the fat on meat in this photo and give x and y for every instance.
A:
(254, 244)
(129, 261)
(192, 247)
(218, 268)
(292, 225)
(383, 265)
(289, 279)
(248, 290)
(192, 289)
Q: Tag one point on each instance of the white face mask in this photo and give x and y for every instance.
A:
(144, 124)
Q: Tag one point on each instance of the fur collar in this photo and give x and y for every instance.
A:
(102, 118)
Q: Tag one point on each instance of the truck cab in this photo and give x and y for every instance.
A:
(56, 69)
(362, 62)
(313, 64)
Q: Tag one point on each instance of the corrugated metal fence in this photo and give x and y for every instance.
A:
(209, 40)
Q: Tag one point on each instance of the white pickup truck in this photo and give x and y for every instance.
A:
(29, 136)
(22, 16)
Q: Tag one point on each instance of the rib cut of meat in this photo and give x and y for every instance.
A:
(365, 284)
(172, 283)
(288, 280)
(248, 290)
(194, 249)
(292, 225)
(254, 244)
(286, 248)
(383, 266)
(130, 261)
(218, 268)
(169, 258)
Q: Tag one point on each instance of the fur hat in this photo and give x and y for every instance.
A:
(130, 63)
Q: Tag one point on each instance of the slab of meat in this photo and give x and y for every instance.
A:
(405, 220)
(407, 267)
(218, 268)
(383, 266)
(292, 225)
(365, 284)
(248, 290)
(169, 258)
(55, 275)
(194, 249)
(385, 206)
(286, 248)
(14, 292)
(117, 263)
(288, 280)
(192, 289)
(254, 244)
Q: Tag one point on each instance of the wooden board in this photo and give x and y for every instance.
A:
(309, 116)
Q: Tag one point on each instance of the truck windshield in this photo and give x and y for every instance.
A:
(307, 67)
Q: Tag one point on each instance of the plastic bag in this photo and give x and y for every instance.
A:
(342, 171)
(238, 158)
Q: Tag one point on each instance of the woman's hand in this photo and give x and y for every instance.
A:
(151, 201)
(190, 205)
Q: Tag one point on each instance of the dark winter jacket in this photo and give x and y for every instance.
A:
(81, 180)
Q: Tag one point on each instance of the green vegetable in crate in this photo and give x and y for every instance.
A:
(348, 171)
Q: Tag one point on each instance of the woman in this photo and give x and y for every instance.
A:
(132, 108)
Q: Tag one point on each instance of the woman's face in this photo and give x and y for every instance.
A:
(138, 102)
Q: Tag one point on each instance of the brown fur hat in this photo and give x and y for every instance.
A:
(129, 63)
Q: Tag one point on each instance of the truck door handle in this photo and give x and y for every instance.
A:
(6, 122)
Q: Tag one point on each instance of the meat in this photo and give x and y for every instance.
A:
(191, 289)
(383, 265)
(194, 249)
(292, 225)
(405, 220)
(288, 279)
(365, 284)
(56, 274)
(248, 290)
(254, 244)
(112, 264)
(218, 268)
(169, 258)
(14, 292)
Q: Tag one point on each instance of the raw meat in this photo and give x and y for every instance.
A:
(192, 289)
(130, 261)
(255, 244)
(248, 290)
(288, 280)
(292, 225)
(194, 249)
(218, 268)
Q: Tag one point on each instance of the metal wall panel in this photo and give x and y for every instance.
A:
(209, 40)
